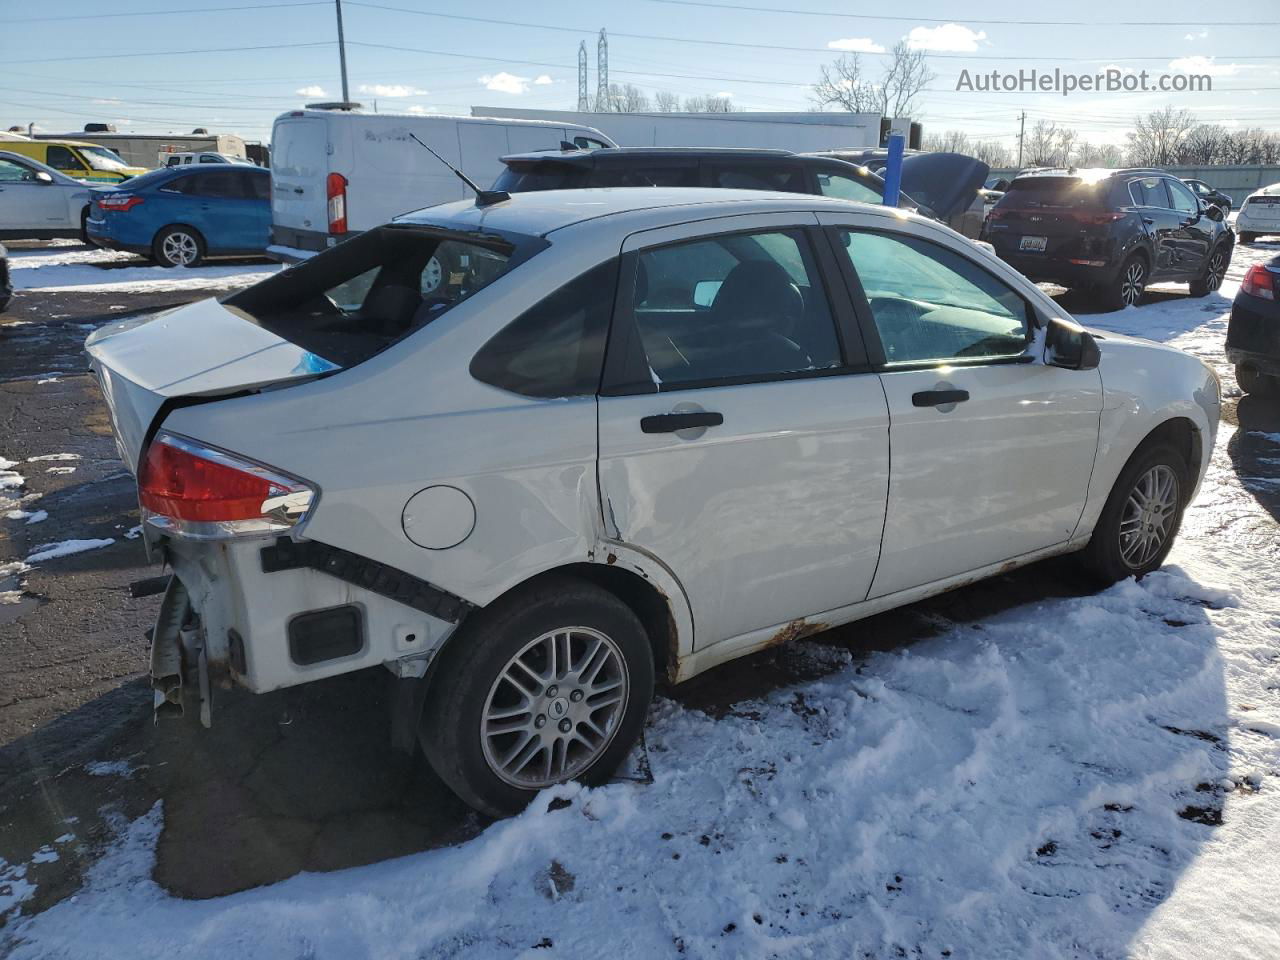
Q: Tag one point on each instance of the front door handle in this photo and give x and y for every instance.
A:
(671, 422)
(936, 398)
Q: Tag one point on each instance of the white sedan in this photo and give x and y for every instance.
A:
(1259, 216)
(38, 202)
(635, 432)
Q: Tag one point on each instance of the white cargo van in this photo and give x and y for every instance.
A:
(338, 172)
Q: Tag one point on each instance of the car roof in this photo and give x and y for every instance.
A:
(589, 156)
(540, 212)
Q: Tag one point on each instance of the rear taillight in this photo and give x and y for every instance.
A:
(194, 491)
(1259, 282)
(119, 202)
(1095, 218)
(336, 191)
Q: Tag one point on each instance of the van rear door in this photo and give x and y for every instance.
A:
(299, 167)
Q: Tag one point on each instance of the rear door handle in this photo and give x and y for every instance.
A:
(298, 190)
(671, 422)
(936, 398)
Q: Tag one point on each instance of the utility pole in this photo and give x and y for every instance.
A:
(342, 53)
(1022, 125)
(584, 102)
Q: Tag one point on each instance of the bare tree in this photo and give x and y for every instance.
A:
(623, 98)
(842, 85)
(1203, 143)
(1042, 145)
(664, 101)
(708, 104)
(1156, 139)
(1097, 154)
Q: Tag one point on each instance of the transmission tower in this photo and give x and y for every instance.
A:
(584, 103)
(602, 71)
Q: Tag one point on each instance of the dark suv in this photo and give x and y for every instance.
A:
(944, 176)
(1112, 231)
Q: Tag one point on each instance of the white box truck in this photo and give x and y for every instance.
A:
(335, 172)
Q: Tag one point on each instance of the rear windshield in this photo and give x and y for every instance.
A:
(1054, 192)
(351, 302)
(530, 177)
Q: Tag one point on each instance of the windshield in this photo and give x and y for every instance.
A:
(100, 158)
(351, 302)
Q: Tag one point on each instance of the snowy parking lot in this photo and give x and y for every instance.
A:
(1021, 769)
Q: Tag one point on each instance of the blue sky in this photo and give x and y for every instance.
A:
(79, 66)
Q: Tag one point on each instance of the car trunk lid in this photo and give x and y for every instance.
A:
(946, 183)
(202, 350)
(1050, 215)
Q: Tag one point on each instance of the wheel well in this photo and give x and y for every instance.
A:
(646, 601)
(1182, 435)
(185, 226)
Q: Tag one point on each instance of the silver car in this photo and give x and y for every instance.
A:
(38, 202)
(530, 454)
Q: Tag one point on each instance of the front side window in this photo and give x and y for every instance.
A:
(355, 300)
(555, 348)
(11, 172)
(747, 305)
(60, 158)
(929, 304)
(846, 188)
(1183, 200)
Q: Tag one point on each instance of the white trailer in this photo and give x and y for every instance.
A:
(798, 132)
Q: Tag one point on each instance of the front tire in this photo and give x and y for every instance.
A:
(1126, 287)
(178, 247)
(1210, 278)
(1141, 518)
(550, 684)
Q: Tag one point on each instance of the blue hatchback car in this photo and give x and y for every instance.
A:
(180, 215)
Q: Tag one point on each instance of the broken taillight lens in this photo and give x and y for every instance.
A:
(202, 493)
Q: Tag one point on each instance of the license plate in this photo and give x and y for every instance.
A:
(1034, 244)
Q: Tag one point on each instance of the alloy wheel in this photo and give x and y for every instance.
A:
(1132, 283)
(1148, 517)
(180, 248)
(1216, 270)
(554, 707)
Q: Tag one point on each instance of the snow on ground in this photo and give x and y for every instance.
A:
(74, 266)
(51, 551)
(1085, 777)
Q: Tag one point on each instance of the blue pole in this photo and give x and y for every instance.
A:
(893, 170)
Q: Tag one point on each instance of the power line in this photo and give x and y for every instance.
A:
(167, 13)
(756, 46)
(967, 19)
(175, 53)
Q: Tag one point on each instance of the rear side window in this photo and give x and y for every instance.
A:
(736, 307)
(211, 183)
(749, 176)
(556, 348)
(256, 185)
(60, 158)
(1149, 192)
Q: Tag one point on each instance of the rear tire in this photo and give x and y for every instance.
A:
(1141, 518)
(1247, 237)
(1254, 382)
(522, 698)
(1211, 276)
(178, 247)
(1126, 287)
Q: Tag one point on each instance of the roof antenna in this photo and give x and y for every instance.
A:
(484, 198)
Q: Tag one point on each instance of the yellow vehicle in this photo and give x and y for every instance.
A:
(83, 161)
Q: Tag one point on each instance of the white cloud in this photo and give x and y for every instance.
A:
(1204, 65)
(505, 83)
(856, 45)
(543, 80)
(391, 90)
(111, 101)
(315, 90)
(949, 36)
(1196, 36)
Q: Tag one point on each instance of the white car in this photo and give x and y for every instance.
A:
(638, 431)
(1260, 214)
(206, 156)
(39, 203)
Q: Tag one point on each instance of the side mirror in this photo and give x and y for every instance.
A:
(1213, 212)
(43, 177)
(1070, 346)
